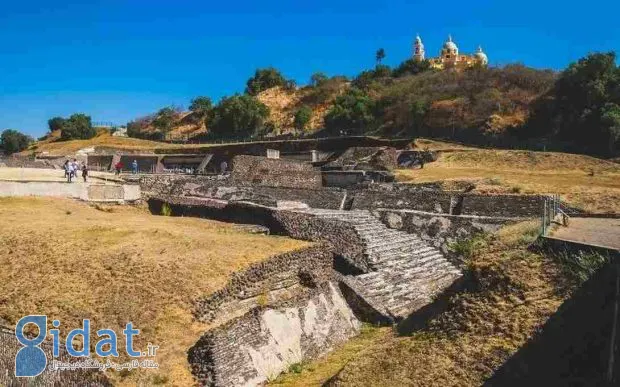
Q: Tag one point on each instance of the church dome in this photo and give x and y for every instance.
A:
(481, 56)
(449, 44)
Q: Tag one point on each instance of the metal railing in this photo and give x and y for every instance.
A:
(553, 212)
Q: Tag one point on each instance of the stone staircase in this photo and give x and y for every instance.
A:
(405, 272)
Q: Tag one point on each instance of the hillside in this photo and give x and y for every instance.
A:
(284, 103)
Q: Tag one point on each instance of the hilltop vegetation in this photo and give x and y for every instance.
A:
(514, 105)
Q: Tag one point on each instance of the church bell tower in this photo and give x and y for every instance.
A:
(418, 49)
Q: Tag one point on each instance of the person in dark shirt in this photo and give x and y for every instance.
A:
(84, 172)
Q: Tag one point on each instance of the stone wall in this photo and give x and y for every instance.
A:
(430, 201)
(220, 187)
(306, 267)
(503, 205)
(264, 342)
(274, 172)
(341, 236)
(8, 350)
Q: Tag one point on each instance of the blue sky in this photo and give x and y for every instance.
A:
(117, 60)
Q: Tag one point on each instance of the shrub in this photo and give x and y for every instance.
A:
(411, 67)
(201, 107)
(55, 123)
(317, 79)
(264, 79)
(12, 141)
(166, 210)
(381, 73)
(302, 117)
(164, 119)
(351, 113)
(77, 127)
(238, 116)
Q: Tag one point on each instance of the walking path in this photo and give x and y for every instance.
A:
(596, 231)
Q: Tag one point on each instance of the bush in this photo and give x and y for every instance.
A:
(381, 73)
(77, 127)
(317, 79)
(302, 117)
(264, 79)
(239, 116)
(352, 113)
(201, 107)
(411, 67)
(55, 123)
(165, 119)
(12, 141)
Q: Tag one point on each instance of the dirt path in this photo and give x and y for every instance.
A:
(598, 231)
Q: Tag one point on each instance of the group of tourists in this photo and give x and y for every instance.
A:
(73, 167)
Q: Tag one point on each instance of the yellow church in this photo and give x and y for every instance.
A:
(449, 57)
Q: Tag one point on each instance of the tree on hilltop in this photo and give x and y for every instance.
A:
(12, 141)
(55, 123)
(379, 55)
(164, 119)
(318, 78)
(239, 116)
(352, 112)
(264, 79)
(583, 107)
(77, 127)
(201, 107)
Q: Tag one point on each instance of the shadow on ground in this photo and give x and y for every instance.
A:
(574, 346)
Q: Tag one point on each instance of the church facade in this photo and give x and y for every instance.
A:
(449, 56)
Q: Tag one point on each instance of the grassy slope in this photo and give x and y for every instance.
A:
(583, 181)
(512, 293)
(62, 148)
(71, 261)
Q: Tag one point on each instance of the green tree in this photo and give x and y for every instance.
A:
(379, 55)
(264, 79)
(610, 118)
(201, 107)
(55, 123)
(581, 108)
(352, 113)
(412, 67)
(164, 119)
(78, 127)
(12, 141)
(302, 117)
(239, 116)
(366, 78)
(317, 79)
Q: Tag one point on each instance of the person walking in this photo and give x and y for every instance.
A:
(118, 168)
(84, 172)
(134, 167)
(69, 171)
(65, 167)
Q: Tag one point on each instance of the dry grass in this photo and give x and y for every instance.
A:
(583, 181)
(118, 264)
(316, 373)
(53, 147)
(512, 293)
